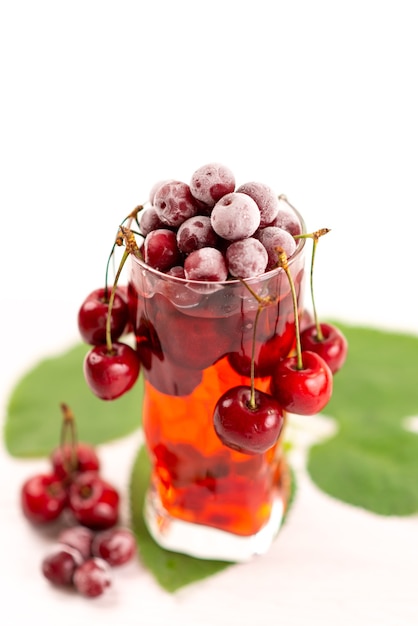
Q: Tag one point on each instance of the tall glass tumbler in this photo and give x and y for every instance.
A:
(195, 341)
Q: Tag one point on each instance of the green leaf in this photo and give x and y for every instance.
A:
(33, 420)
(171, 569)
(372, 462)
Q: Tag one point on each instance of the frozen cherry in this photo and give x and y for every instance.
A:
(149, 221)
(43, 498)
(287, 217)
(78, 537)
(266, 199)
(210, 182)
(235, 216)
(156, 186)
(248, 422)
(206, 264)
(116, 545)
(174, 203)
(59, 566)
(245, 258)
(93, 501)
(93, 313)
(195, 233)
(92, 578)
(272, 238)
(111, 373)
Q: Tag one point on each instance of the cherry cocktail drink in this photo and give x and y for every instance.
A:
(196, 340)
(215, 300)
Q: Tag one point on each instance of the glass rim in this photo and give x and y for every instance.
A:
(230, 281)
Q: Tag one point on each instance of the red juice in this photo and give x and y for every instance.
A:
(195, 342)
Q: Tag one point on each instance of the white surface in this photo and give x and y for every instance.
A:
(100, 100)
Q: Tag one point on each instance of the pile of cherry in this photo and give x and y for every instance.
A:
(212, 230)
(90, 542)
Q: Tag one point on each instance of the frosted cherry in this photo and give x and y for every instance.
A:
(273, 238)
(205, 264)
(174, 203)
(210, 182)
(265, 198)
(196, 232)
(235, 216)
(149, 221)
(246, 258)
(92, 577)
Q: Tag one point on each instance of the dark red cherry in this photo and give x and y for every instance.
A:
(79, 538)
(43, 497)
(93, 313)
(246, 427)
(60, 564)
(332, 347)
(303, 391)
(92, 578)
(160, 249)
(110, 374)
(116, 546)
(93, 501)
(67, 459)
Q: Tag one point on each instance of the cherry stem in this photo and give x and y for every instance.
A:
(262, 302)
(315, 238)
(133, 215)
(319, 333)
(282, 262)
(125, 235)
(68, 431)
(111, 300)
(252, 402)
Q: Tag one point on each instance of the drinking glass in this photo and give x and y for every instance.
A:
(195, 341)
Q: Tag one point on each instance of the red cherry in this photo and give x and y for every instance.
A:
(332, 347)
(246, 427)
(116, 546)
(92, 578)
(266, 354)
(303, 391)
(60, 564)
(67, 460)
(79, 538)
(93, 313)
(110, 374)
(160, 249)
(168, 377)
(43, 498)
(206, 340)
(93, 501)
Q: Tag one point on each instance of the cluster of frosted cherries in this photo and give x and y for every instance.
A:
(212, 230)
(90, 542)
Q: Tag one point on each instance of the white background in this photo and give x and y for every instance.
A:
(101, 99)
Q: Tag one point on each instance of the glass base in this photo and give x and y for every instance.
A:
(205, 542)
